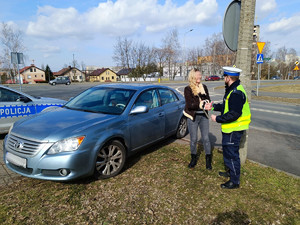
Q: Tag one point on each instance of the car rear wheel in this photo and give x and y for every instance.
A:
(182, 128)
(68, 83)
(110, 160)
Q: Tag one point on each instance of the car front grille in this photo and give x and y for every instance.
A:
(23, 146)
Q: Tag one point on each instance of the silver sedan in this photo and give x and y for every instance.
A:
(95, 132)
(15, 105)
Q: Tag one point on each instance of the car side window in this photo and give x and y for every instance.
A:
(8, 96)
(148, 98)
(167, 96)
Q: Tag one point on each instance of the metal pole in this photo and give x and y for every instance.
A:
(269, 70)
(258, 78)
(19, 76)
(184, 55)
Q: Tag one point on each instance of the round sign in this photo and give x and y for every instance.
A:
(297, 63)
(231, 25)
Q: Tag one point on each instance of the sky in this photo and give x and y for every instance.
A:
(55, 31)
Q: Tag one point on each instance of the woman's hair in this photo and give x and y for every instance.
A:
(192, 81)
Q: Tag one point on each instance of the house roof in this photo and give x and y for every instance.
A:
(99, 72)
(124, 71)
(63, 71)
(28, 67)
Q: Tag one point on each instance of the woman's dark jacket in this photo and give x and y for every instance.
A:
(192, 102)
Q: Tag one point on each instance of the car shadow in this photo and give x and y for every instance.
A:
(2, 136)
(130, 161)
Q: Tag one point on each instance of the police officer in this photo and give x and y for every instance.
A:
(235, 118)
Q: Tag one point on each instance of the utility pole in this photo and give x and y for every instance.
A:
(243, 60)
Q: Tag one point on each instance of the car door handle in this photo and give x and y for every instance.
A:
(161, 114)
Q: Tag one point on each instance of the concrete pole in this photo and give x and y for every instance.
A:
(243, 60)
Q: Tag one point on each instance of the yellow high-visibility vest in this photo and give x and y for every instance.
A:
(242, 123)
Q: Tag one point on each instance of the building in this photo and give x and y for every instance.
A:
(123, 74)
(73, 73)
(32, 74)
(103, 75)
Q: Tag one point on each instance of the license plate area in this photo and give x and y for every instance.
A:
(16, 160)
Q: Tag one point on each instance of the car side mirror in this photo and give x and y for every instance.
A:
(24, 99)
(139, 109)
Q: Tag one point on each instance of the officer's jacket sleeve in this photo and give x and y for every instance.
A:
(235, 106)
(218, 107)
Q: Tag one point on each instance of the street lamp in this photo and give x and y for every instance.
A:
(184, 53)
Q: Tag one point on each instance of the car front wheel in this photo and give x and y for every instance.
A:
(110, 160)
(53, 84)
(182, 128)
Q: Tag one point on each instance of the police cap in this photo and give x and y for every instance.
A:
(231, 71)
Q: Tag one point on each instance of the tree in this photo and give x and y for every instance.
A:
(218, 53)
(171, 47)
(160, 59)
(48, 74)
(12, 41)
(122, 50)
(243, 59)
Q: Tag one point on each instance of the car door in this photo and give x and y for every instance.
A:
(172, 108)
(148, 127)
(12, 108)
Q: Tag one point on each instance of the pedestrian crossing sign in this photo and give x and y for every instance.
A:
(259, 58)
(296, 68)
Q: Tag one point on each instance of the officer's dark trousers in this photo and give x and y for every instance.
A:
(231, 145)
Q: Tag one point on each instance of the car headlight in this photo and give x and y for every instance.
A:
(66, 145)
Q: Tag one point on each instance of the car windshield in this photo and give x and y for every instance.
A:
(101, 100)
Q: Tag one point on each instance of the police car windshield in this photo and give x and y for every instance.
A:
(101, 100)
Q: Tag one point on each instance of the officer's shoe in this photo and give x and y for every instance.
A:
(229, 185)
(224, 174)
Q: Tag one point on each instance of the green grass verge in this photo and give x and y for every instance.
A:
(157, 188)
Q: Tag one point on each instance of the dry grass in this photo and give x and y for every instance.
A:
(157, 188)
(291, 88)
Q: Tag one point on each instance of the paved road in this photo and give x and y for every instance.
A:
(274, 137)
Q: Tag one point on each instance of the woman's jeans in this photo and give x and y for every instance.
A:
(202, 122)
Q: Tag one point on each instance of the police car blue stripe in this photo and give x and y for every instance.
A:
(8, 111)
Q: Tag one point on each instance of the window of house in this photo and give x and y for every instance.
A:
(102, 78)
(42, 75)
(35, 76)
(34, 69)
(31, 70)
(28, 76)
(112, 77)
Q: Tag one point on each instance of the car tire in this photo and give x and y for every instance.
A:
(68, 83)
(53, 84)
(110, 160)
(182, 128)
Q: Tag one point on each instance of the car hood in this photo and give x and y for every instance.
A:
(58, 124)
(49, 100)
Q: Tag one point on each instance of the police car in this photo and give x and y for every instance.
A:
(15, 105)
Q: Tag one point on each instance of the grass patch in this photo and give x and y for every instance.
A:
(157, 188)
(291, 88)
(277, 99)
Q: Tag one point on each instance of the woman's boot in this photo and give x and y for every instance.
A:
(193, 161)
(208, 158)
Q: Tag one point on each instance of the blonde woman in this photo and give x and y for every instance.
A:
(196, 96)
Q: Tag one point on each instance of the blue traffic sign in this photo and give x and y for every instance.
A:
(260, 58)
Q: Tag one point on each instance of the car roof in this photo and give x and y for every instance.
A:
(17, 91)
(134, 86)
